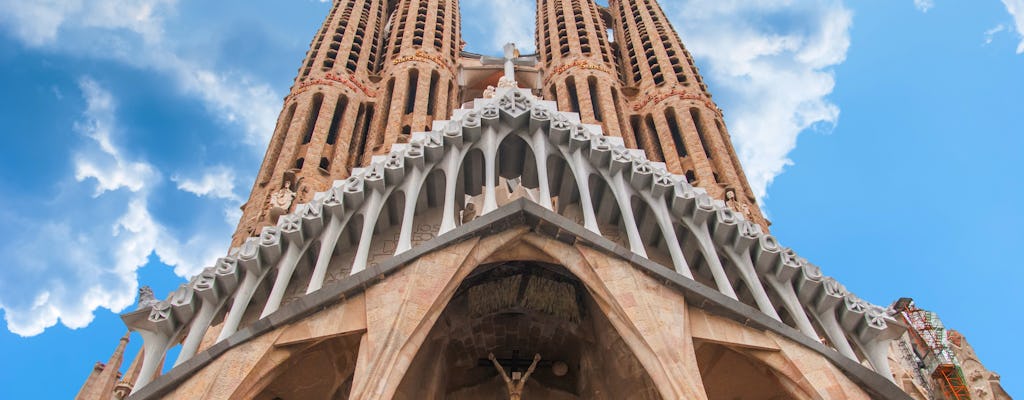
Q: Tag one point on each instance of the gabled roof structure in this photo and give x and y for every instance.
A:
(585, 189)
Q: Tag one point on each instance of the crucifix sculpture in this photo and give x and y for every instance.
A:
(510, 60)
(516, 383)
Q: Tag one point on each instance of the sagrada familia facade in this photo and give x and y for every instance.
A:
(430, 223)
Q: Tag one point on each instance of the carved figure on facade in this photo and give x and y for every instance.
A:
(516, 383)
(468, 213)
(281, 201)
(736, 205)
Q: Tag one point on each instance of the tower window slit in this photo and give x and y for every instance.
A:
(638, 135)
(358, 141)
(677, 137)
(410, 99)
(339, 112)
(594, 98)
(314, 114)
(275, 149)
(659, 154)
(574, 99)
(697, 122)
(618, 106)
(431, 100)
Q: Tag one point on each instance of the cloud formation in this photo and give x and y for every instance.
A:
(990, 34)
(772, 61)
(132, 32)
(507, 21)
(109, 168)
(81, 252)
(1016, 10)
(217, 182)
(924, 5)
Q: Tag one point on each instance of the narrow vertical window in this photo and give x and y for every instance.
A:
(574, 99)
(695, 114)
(659, 154)
(432, 99)
(410, 99)
(314, 113)
(366, 128)
(595, 100)
(339, 112)
(444, 105)
(278, 142)
(677, 137)
(618, 108)
(638, 135)
(358, 139)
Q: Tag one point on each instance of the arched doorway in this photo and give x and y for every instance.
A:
(515, 310)
(728, 374)
(321, 371)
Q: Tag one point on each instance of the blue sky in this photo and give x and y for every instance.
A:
(884, 137)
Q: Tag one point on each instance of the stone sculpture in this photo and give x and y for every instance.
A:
(515, 384)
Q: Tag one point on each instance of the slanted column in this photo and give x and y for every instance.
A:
(255, 257)
(726, 230)
(822, 296)
(156, 325)
(653, 190)
(621, 163)
(213, 287)
(694, 207)
(870, 330)
(374, 180)
(778, 275)
(334, 211)
(290, 227)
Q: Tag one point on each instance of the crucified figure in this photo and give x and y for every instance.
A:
(515, 386)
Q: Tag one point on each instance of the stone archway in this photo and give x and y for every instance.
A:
(321, 371)
(728, 373)
(514, 310)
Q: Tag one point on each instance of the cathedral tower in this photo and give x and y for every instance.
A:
(419, 65)
(333, 116)
(581, 73)
(672, 115)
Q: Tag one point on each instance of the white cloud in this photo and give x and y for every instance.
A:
(772, 60)
(509, 21)
(1016, 10)
(924, 5)
(132, 31)
(79, 253)
(990, 34)
(217, 182)
(108, 167)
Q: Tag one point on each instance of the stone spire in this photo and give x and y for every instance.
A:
(104, 377)
(579, 62)
(419, 67)
(321, 131)
(127, 383)
(672, 115)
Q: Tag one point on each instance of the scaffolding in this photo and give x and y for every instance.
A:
(931, 345)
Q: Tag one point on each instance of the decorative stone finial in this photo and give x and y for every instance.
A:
(146, 298)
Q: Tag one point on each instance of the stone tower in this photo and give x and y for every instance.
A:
(583, 230)
(672, 115)
(581, 71)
